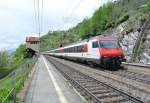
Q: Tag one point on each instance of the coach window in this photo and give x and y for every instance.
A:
(77, 49)
(73, 49)
(95, 44)
(80, 48)
(65, 50)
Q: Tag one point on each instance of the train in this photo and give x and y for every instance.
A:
(102, 51)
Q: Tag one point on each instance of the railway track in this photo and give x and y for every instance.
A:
(132, 75)
(139, 77)
(91, 88)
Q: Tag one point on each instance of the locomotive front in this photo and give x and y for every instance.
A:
(111, 53)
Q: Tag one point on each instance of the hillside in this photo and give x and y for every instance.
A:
(10, 61)
(123, 19)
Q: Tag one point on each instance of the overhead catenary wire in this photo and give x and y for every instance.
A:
(75, 7)
(42, 10)
(35, 15)
(72, 12)
(63, 17)
(38, 17)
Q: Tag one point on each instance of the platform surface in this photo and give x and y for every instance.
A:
(49, 86)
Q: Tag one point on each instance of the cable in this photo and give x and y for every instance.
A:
(72, 12)
(76, 7)
(42, 10)
(67, 9)
(38, 21)
(38, 16)
(38, 13)
(35, 15)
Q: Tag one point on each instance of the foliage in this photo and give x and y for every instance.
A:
(107, 17)
(148, 4)
(4, 59)
(20, 54)
(6, 84)
(84, 28)
(122, 19)
(6, 63)
(9, 62)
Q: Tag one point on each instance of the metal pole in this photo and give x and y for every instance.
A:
(14, 86)
(39, 43)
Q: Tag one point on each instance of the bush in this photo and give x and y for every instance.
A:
(122, 19)
(148, 4)
(6, 63)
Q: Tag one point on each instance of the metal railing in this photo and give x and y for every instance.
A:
(12, 83)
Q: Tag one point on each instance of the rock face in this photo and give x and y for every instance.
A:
(127, 39)
(127, 43)
(145, 55)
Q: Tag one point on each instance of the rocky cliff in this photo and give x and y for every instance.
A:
(134, 38)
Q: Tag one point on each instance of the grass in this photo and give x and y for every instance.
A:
(6, 84)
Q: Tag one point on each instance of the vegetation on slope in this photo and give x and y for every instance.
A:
(148, 4)
(9, 62)
(106, 17)
(6, 61)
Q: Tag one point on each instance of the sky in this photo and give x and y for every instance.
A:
(18, 20)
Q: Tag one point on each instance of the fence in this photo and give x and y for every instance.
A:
(11, 84)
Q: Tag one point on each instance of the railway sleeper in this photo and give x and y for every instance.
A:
(79, 78)
(115, 99)
(106, 95)
(101, 91)
(92, 88)
(87, 81)
(103, 95)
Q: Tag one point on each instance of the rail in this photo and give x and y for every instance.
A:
(77, 78)
(136, 65)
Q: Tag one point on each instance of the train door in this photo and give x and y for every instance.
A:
(93, 49)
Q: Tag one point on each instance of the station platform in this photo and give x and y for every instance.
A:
(49, 86)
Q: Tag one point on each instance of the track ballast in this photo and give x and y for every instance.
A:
(91, 88)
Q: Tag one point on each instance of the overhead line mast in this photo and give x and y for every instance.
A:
(38, 10)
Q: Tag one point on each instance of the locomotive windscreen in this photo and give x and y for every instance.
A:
(109, 44)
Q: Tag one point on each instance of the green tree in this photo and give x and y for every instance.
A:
(20, 54)
(148, 4)
(84, 29)
(4, 59)
(6, 63)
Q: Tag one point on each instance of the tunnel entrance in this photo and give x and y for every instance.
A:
(30, 53)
